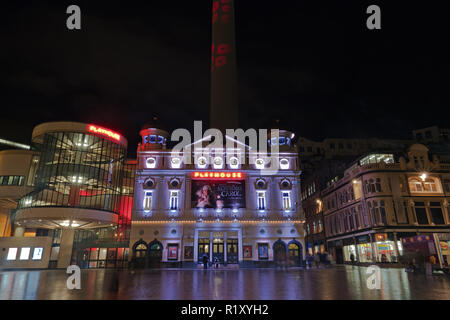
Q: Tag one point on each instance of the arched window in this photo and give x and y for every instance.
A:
(428, 185)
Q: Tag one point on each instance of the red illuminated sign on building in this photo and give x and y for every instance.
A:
(218, 175)
(103, 131)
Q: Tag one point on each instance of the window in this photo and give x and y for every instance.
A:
(436, 213)
(259, 163)
(12, 180)
(261, 200)
(151, 162)
(314, 227)
(37, 253)
(148, 201)
(286, 200)
(427, 185)
(378, 185)
(447, 185)
(383, 212)
(284, 164)
(421, 212)
(12, 254)
(307, 229)
(320, 226)
(173, 200)
(176, 163)
(24, 253)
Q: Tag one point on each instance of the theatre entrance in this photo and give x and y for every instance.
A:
(223, 245)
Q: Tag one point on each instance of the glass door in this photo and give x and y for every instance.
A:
(218, 245)
(232, 251)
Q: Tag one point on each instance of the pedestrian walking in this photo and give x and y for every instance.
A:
(216, 262)
(317, 259)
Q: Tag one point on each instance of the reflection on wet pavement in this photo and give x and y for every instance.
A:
(341, 282)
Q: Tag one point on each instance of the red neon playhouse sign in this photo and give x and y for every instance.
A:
(103, 131)
(217, 175)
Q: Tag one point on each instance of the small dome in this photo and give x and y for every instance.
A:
(154, 123)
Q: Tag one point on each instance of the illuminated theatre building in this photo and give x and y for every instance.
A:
(76, 204)
(228, 211)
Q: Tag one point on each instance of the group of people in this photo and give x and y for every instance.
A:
(318, 259)
(205, 260)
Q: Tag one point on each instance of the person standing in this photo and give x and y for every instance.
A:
(317, 259)
(205, 261)
(352, 258)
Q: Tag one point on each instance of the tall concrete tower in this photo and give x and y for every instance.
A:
(223, 110)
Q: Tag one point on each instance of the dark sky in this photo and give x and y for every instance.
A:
(312, 64)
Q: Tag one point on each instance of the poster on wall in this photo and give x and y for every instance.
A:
(172, 253)
(218, 194)
(247, 251)
(188, 252)
(263, 251)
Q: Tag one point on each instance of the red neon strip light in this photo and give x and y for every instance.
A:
(217, 175)
(103, 131)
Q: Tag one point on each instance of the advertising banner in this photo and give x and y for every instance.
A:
(218, 194)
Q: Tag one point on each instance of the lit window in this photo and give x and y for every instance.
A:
(286, 200)
(173, 200)
(148, 201)
(37, 253)
(218, 162)
(12, 254)
(261, 200)
(284, 164)
(201, 162)
(259, 163)
(151, 162)
(24, 253)
(234, 163)
(176, 163)
(314, 227)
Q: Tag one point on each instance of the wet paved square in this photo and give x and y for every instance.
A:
(340, 282)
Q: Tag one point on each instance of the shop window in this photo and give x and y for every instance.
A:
(174, 200)
(421, 213)
(436, 213)
(148, 200)
(25, 253)
(261, 200)
(286, 200)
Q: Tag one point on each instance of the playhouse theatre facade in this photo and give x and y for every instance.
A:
(216, 204)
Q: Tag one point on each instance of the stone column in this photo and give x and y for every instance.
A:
(356, 249)
(65, 249)
(196, 245)
(210, 245)
(225, 248)
(397, 255)
(374, 256)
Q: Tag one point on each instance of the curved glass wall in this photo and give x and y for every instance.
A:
(77, 170)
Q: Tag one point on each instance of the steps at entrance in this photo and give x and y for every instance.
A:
(221, 267)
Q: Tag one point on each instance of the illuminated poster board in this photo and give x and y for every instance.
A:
(218, 194)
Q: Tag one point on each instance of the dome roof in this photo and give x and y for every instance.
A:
(154, 123)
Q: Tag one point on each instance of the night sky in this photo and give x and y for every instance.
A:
(312, 64)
